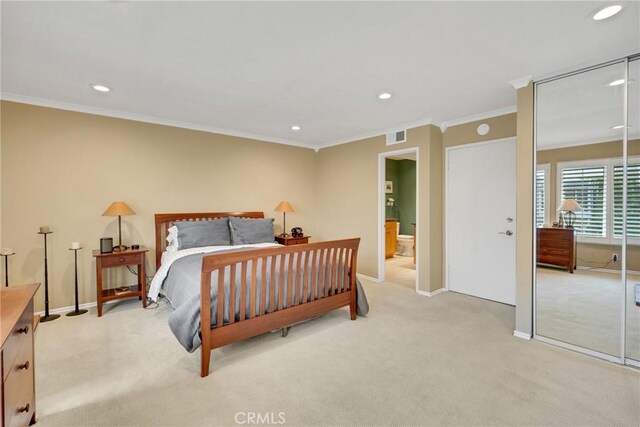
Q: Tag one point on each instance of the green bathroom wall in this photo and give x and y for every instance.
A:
(391, 174)
(403, 175)
(407, 195)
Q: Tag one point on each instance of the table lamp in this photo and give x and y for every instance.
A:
(570, 206)
(118, 209)
(284, 207)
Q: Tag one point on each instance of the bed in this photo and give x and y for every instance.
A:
(263, 287)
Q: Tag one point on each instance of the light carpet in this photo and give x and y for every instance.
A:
(446, 360)
(584, 309)
(400, 270)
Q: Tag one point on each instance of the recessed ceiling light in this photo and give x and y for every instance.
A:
(607, 12)
(384, 95)
(100, 88)
(620, 82)
(619, 126)
(295, 127)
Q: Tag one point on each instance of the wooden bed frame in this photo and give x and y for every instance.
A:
(338, 288)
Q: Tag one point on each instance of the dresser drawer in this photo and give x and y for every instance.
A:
(116, 260)
(19, 404)
(554, 243)
(554, 252)
(21, 337)
(550, 235)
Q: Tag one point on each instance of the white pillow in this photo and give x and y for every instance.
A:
(172, 239)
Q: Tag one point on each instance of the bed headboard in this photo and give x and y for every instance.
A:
(166, 220)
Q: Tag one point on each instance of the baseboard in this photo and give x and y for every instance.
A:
(371, 279)
(431, 294)
(606, 270)
(522, 335)
(63, 310)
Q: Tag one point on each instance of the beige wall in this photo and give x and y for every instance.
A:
(354, 189)
(589, 254)
(50, 175)
(348, 199)
(524, 211)
(63, 169)
(500, 127)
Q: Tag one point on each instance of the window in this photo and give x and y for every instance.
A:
(587, 185)
(542, 195)
(633, 201)
(597, 186)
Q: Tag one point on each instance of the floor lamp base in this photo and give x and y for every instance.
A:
(76, 312)
(49, 318)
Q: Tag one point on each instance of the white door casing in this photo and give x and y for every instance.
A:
(480, 209)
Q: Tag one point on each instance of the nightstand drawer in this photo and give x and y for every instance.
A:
(290, 240)
(124, 259)
(299, 241)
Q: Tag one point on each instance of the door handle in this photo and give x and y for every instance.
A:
(508, 232)
(509, 219)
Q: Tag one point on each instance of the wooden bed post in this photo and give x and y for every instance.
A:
(205, 322)
(353, 306)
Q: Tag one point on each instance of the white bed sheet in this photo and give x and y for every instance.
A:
(168, 258)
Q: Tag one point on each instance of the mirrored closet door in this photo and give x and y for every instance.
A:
(632, 308)
(586, 196)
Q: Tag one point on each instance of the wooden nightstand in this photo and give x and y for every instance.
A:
(120, 259)
(289, 240)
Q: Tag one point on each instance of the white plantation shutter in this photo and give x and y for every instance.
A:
(541, 178)
(587, 185)
(633, 201)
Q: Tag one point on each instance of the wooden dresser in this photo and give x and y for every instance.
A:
(557, 246)
(18, 381)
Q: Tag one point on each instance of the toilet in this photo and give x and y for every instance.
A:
(405, 245)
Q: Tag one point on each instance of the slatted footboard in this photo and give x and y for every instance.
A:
(280, 286)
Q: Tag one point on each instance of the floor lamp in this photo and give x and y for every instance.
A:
(44, 231)
(6, 253)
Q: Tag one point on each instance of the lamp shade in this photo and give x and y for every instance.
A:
(570, 205)
(118, 209)
(284, 206)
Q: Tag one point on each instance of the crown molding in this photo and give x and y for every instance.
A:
(521, 82)
(42, 102)
(486, 115)
(381, 132)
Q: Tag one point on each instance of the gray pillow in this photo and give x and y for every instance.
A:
(197, 234)
(250, 230)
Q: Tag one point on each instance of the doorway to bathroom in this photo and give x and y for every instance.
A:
(398, 213)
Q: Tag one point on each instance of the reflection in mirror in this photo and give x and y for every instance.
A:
(632, 347)
(578, 216)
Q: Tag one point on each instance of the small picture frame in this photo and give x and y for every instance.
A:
(388, 187)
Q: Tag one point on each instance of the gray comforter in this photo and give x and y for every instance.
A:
(182, 288)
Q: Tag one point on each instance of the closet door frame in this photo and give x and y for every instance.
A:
(621, 359)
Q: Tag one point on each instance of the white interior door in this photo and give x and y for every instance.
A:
(480, 220)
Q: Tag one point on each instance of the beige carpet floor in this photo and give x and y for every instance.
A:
(584, 309)
(401, 270)
(446, 360)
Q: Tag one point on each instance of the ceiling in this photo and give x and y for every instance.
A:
(255, 69)
(583, 108)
